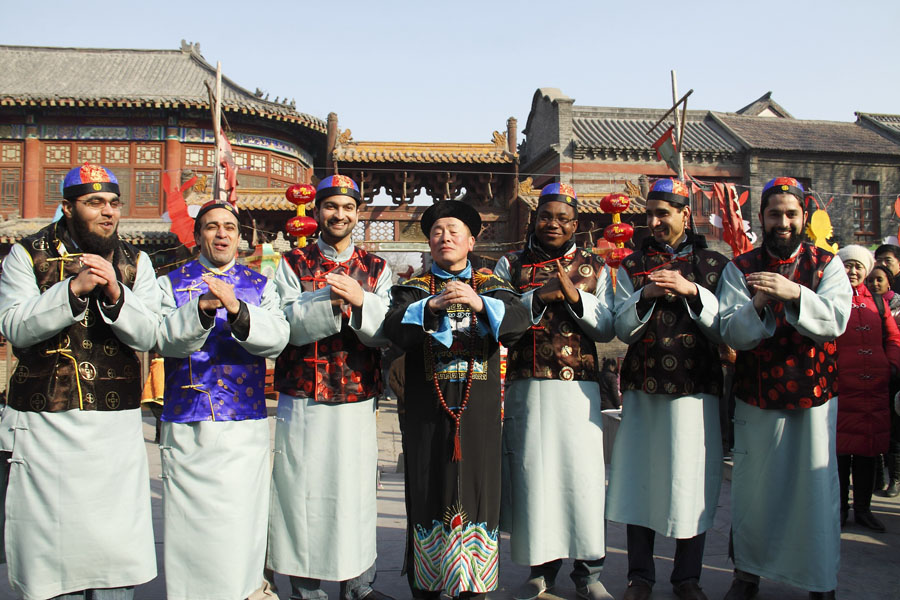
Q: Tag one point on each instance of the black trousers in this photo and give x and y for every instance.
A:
(863, 468)
(688, 556)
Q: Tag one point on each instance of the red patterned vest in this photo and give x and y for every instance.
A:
(84, 366)
(788, 370)
(674, 356)
(339, 368)
(556, 348)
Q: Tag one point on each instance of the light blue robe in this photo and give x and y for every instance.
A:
(77, 507)
(216, 474)
(784, 488)
(554, 480)
(323, 514)
(666, 469)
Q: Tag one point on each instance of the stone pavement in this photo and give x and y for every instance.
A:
(870, 563)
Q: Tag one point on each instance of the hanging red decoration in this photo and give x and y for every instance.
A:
(300, 193)
(618, 233)
(615, 203)
(301, 226)
(615, 256)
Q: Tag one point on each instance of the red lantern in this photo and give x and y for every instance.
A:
(618, 233)
(615, 203)
(300, 193)
(616, 256)
(301, 226)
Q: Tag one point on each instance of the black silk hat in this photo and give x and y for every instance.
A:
(451, 208)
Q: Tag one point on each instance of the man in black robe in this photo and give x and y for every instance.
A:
(449, 321)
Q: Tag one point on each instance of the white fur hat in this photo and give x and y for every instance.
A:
(861, 255)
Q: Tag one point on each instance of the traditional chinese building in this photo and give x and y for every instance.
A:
(146, 115)
(602, 149)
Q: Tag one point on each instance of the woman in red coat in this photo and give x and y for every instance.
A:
(868, 352)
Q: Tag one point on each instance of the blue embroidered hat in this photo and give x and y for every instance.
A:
(87, 179)
(559, 192)
(784, 185)
(673, 191)
(337, 185)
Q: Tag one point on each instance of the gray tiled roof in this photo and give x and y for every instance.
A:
(766, 133)
(626, 129)
(68, 76)
(889, 123)
(135, 231)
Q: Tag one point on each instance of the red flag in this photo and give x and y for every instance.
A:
(666, 149)
(182, 223)
(733, 228)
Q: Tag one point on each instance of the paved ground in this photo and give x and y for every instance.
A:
(870, 563)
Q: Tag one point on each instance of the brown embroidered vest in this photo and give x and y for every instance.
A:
(674, 356)
(556, 348)
(339, 368)
(85, 365)
(788, 370)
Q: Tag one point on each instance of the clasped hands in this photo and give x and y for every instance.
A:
(221, 293)
(668, 282)
(767, 287)
(96, 272)
(456, 292)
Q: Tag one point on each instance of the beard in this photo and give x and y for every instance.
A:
(93, 243)
(780, 248)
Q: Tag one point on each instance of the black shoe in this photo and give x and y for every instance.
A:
(822, 595)
(689, 590)
(742, 590)
(638, 589)
(868, 520)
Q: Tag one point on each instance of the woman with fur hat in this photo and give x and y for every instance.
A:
(868, 354)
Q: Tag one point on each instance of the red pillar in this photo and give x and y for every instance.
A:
(172, 160)
(31, 204)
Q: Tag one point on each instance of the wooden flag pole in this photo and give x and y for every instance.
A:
(678, 127)
(219, 176)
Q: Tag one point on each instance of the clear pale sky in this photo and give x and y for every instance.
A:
(454, 71)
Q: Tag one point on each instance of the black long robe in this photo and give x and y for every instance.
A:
(452, 508)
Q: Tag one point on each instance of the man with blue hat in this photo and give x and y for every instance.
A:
(666, 468)
(450, 321)
(553, 499)
(77, 303)
(221, 321)
(781, 307)
(323, 513)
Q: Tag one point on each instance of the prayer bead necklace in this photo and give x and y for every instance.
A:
(456, 414)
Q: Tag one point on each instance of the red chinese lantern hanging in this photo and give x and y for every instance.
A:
(300, 193)
(615, 203)
(615, 257)
(301, 226)
(618, 233)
